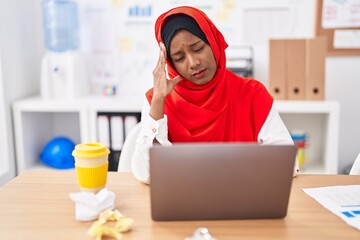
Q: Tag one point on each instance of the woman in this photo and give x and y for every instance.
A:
(201, 101)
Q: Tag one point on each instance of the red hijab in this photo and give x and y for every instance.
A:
(227, 109)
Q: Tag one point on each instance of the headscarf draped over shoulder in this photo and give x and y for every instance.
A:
(227, 109)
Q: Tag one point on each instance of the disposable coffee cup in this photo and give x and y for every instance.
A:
(91, 164)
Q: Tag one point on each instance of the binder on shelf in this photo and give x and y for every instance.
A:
(117, 132)
(112, 130)
(277, 69)
(296, 69)
(103, 130)
(315, 81)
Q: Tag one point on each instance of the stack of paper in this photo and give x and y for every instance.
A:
(344, 201)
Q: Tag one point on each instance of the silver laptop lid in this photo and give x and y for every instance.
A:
(205, 181)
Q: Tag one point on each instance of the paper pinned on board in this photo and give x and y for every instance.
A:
(343, 201)
(348, 39)
(340, 14)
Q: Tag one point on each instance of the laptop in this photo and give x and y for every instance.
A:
(215, 181)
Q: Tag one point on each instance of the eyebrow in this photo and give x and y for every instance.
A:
(191, 45)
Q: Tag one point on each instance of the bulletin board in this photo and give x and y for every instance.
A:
(330, 34)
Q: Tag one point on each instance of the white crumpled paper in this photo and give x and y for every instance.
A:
(88, 205)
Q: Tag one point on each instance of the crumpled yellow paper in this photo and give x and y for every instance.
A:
(123, 224)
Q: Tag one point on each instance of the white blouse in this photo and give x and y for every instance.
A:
(273, 131)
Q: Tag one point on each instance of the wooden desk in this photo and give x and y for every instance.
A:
(36, 205)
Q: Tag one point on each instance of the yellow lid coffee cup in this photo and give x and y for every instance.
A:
(91, 164)
(90, 150)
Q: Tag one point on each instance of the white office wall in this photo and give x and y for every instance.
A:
(343, 84)
(21, 50)
(7, 170)
(21, 47)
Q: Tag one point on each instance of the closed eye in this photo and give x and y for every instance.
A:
(199, 49)
(178, 59)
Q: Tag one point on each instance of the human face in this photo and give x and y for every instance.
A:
(193, 59)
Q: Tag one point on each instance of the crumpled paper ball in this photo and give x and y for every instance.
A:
(89, 205)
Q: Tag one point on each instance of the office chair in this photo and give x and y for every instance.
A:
(355, 169)
(128, 149)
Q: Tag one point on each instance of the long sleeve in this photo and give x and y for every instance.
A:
(151, 130)
(274, 131)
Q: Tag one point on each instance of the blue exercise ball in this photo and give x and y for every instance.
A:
(57, 153)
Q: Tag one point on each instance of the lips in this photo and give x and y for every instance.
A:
(200, 73)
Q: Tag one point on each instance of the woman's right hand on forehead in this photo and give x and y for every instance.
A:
(162, 85)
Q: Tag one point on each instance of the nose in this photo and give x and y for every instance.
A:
(193, 61)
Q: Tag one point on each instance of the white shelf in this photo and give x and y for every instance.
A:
(36, 104)
(316, 168)
(115, 104)
(37, 121)
(319, 119)
(317, 107)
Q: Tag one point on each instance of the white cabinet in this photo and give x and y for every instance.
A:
(320, 120)
(37, 121)
(126, 110)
